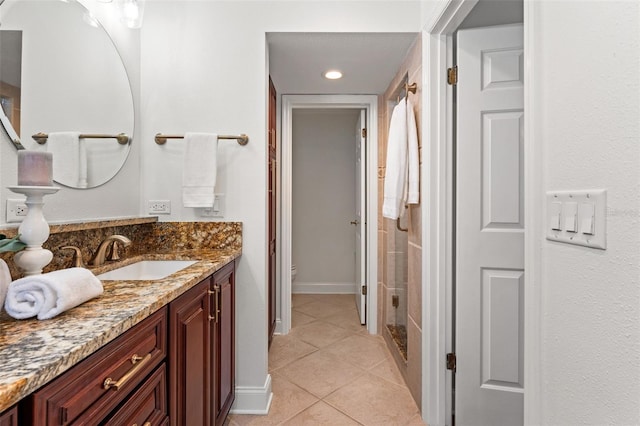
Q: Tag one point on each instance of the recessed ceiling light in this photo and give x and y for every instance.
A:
(333, 74)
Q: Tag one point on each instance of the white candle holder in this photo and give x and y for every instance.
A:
(34, 230)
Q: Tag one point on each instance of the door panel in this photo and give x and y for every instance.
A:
(490, 227)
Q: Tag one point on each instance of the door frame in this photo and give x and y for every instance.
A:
(437, 217)
(370, 104)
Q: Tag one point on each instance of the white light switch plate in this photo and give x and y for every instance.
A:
(588, 234)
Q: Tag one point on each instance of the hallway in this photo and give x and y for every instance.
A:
(329, 371)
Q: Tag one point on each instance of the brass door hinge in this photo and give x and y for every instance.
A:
(364, 133)
(451, 361)
(452, 75)
(364, 290)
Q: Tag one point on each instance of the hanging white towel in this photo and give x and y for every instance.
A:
(5, 280)
(402, 173)
(199, 169)
(69, 158)
(47, 295)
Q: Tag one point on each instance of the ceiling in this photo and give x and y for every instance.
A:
(368, 61)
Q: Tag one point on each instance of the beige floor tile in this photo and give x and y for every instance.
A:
(318, 309)
(347, 319)
(288, 400)
(321, 414)
(321, 373)
(284, 350)
(372, 400)
(301, 299)
(342, 300)
(298, 319)
(388, 370)
(319, 333)
(416, 421)
(361, 351)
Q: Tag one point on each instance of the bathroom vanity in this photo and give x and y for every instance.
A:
(154, 352)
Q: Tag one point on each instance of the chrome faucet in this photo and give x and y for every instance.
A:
(113, 240)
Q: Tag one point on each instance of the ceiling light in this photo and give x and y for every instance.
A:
(333, 74)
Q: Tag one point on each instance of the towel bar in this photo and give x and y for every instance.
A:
(122, 138)
(162, 139)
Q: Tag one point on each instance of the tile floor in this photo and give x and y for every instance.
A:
(330, 371)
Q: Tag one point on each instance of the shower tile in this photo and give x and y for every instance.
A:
(414, 360)
(319, 333)
(372, 400)
(415, 228)
(321, 373)
(285, 350)
(414, 288)
(321, 414)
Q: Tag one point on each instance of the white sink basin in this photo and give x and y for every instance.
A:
(147, 270)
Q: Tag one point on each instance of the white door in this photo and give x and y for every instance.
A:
(360, 217)
(489, 384)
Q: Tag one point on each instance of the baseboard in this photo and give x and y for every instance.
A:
(322, 288)
(253, 399)
(278, 329)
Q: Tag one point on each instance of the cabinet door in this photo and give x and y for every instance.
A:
(189, 358)
(9, 417)
(223, 344)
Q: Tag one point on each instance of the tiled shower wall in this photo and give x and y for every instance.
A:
(393, 250)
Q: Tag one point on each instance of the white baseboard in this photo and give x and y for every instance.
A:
(322, 288)
(278, 329)
(253, 399)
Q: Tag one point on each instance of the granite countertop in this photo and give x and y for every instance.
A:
(32, 352)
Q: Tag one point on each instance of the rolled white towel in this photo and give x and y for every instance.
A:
(48, 295)
(5, 279)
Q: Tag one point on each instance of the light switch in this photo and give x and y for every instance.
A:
(586, 213)
(554, 211)
(570, 212)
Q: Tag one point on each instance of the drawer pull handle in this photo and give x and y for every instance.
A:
(146, 424)
(138, 363)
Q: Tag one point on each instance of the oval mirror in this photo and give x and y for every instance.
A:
(61, 75)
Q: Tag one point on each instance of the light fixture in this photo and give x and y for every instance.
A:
(131, 12)
(333, 74)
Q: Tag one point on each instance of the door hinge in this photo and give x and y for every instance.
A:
(364, 133)
(364, 290)
(451, 361)
(452, 75)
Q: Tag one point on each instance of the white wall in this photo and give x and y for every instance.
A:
(324, 198)
(587, 123)
(204, 69)
(120, 196)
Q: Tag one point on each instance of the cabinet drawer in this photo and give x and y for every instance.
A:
(147, 406)
(89, 391)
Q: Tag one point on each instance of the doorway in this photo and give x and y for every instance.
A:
(294, 104)
(452, 303)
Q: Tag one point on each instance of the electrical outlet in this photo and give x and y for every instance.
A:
(16, 210)
(218, 207)
(159, 207)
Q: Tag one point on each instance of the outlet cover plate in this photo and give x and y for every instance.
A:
(159, 207)
(16, 210)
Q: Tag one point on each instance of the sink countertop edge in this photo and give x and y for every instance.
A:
(33, 353)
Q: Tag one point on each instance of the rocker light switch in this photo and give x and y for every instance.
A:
(586, 213)
(570, 212)
(577, 217)
(554, 210)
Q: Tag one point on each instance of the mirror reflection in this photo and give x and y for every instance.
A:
(63, 81)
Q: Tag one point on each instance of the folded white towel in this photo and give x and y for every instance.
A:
(5, 280)
(48, 295)
(199, 169)
(69, 158)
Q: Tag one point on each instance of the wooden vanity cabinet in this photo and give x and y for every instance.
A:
(202, 351)
(82, 396)
(9, 417)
